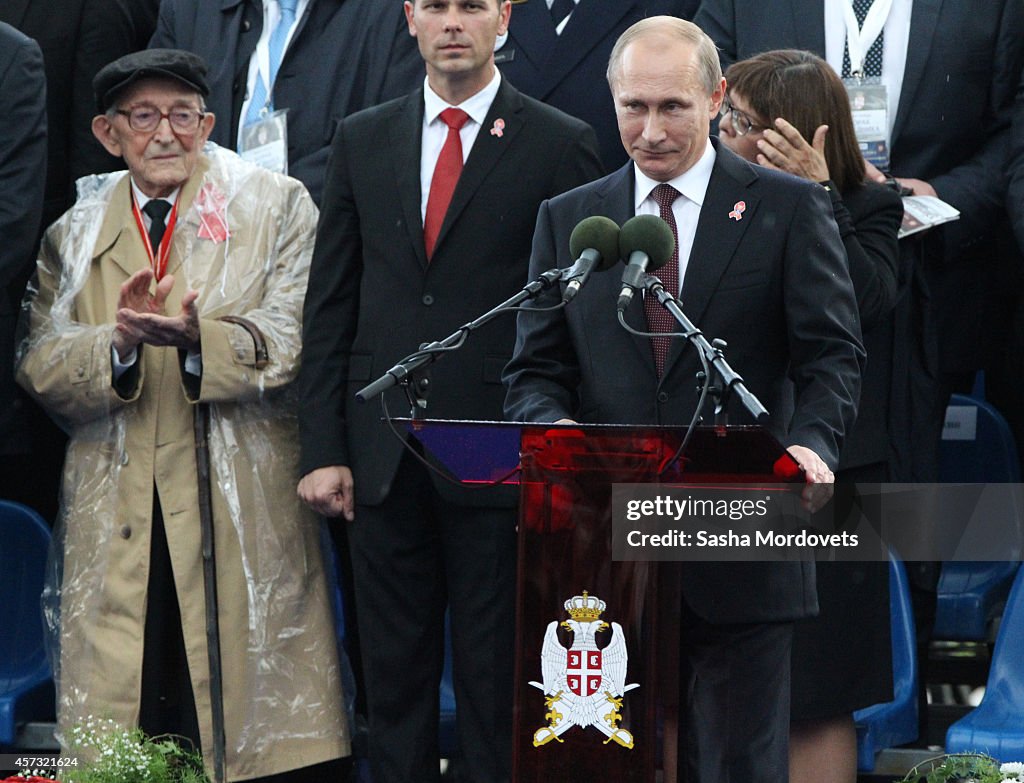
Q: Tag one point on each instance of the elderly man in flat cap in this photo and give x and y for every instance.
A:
(164, 333)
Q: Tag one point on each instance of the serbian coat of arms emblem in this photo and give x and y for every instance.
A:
(583, 685)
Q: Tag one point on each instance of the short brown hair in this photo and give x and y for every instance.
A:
(804, 90)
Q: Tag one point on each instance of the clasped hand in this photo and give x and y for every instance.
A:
(142, 318)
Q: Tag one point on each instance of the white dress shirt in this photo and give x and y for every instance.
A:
(259, 63)
(693, 187)
(894, 47)
(435, 131)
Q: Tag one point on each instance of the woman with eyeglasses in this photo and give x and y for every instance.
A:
(788, 110)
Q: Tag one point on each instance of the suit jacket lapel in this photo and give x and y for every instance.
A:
(315, 18)
(808, 25)
(15, 10)
(406, 137)
(585, 30)
(615, 201)
(188, 218)
(923, 19)
(534, 35)
(119, 236)
(717, 236)
(487, 151)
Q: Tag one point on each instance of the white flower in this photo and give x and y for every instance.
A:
(1011, 768)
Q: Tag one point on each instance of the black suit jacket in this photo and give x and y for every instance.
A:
(372, 296)
(774, 284)
(869, 219)
(568, 70)
(22, 174)
(1015, 200)
(345, 55)
(78, 37)
(952, 129)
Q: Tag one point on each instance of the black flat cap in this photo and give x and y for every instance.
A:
(185, 67)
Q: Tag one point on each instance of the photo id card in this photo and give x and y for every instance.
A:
(869, 102)
(265, 142)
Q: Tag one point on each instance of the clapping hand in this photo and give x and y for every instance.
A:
(142, 318)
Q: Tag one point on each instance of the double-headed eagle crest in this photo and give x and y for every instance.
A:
(583, 685)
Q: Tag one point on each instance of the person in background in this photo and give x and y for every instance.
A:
(318, 59)
(22, 179)
(788, 110)
(77, 38)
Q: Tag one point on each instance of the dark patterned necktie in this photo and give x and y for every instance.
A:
(658, 318)
(157, 209)
(561, 9)
(872, 65)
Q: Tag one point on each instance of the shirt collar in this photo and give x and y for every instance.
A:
(476, 106)
(142, 199)
(692, 183)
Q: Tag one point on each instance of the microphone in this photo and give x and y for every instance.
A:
(595, 246)
(647, 242)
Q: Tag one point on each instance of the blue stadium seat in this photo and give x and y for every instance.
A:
(26, 686)
(977, 447)
(892, 723)
(447, 739)
(996, 726)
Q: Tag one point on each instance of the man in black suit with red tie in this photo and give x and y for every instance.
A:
(767, 273)
(429, 204)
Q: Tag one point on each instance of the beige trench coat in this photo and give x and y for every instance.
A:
(243, 239)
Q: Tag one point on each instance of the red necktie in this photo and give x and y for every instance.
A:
(658, 318)
(446, 174)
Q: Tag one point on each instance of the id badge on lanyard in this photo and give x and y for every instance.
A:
(265, 142)
(869, 98)
(869, 103)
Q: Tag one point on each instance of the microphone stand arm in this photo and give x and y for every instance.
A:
(726, 380)
(410, 371)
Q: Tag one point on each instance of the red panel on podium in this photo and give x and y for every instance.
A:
(597, 641)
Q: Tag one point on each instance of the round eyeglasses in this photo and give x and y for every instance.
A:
(146, 118)
(741, 122)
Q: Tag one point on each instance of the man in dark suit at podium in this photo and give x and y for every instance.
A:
(768, 274)
(429, 204)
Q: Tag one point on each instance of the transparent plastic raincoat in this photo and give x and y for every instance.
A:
(243, 239)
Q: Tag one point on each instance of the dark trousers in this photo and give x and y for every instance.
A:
(167, 703)
(413, 556)
(735, 688)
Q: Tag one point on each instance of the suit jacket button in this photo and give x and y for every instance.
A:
(428, 299)
(126, 532)
(246, 26)
(662, 396)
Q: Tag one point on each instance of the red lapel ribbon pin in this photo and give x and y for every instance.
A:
(737, 210)
(498, 128)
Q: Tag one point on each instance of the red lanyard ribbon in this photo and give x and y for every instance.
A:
(157, 261)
